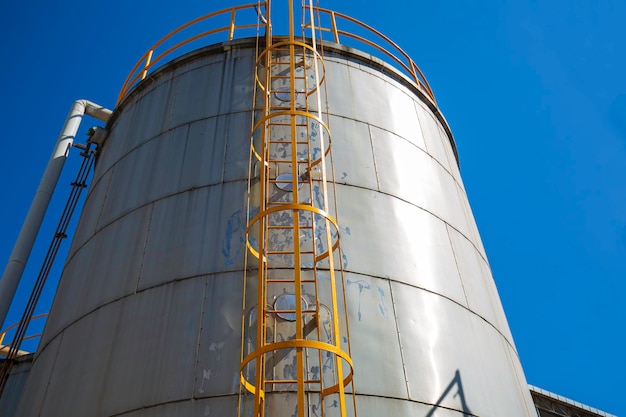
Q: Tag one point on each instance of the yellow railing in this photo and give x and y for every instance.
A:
(400, 58)
(149, 60)
(247, 17)
(4, 347)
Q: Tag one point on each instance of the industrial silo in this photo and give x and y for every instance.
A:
(277, 226)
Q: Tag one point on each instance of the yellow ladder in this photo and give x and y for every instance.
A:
(295, 358)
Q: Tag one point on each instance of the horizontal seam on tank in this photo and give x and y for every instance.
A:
(341, 56)
(188, 58)
(398, 136)
(152, 287)
(163, 132)
(357, 394)
(182, 279)
(391, 397)
(183, 400)
(126, 213)
(391, 72)
(440, 295)
(421, 208)
(348, 270)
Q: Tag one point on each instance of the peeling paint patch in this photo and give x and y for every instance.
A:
(381, 305)
(206, 376)
(216, 347)
(362, 285)
(234, 226)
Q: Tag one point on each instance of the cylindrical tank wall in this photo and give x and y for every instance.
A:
(147, 317)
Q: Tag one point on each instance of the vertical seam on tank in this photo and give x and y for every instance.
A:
(145, 246)
(456, 263)
(185, 148)
(45, 393)
(369, 131)
(226, 66)
(395, 316)
(419, 123)
(432, 156)
(172, 88)
(198, 340)
(226, 119)
(104, 201)
(441, 135)
(521, 388)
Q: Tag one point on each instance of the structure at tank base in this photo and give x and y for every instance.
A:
(148, 317)
(549, 404)
(15, 384)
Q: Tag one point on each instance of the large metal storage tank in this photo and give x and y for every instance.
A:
(147, 316)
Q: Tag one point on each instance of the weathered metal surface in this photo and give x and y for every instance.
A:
(15, 384)
(147, 318)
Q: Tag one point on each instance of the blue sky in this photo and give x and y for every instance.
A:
(534, 92)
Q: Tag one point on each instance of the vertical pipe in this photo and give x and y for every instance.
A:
(26, 239)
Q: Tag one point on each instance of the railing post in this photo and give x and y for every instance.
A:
(147, 65)
(414, 72)
(231, 33)
(334, 23)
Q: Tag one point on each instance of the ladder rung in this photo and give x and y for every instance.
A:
(291, 311)
(291, 381)
(286, 124)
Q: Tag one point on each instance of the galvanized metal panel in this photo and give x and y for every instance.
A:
(195, 233)
(151, 116)
(117, 148)
(370, 103)
(407, 172)
(402, 118)
(90, 213)
(135, 185)
(202, 153)
(341, 97)
(39, 377)
(480, 289)
(373, 337)
(443, 344)
(351, 144)
(385, 103)
(174, 71)
(391, 238)
(237, 82)
(104, 269)
(430, 129)
(84, 355)
(472, 232)
(154, 350)
(218, 358)
(197, 94)
(237, 136)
